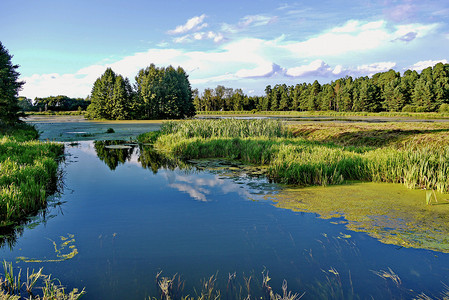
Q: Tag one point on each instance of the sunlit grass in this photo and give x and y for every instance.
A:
(297, 160)
(28, 174)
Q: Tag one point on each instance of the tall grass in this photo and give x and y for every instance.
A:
(299, 161)
(28, 174)
(232, 128)
(35, 286)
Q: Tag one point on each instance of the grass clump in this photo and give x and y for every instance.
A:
(318, 159)
(35, 286)
(172, 288)
(28, 173)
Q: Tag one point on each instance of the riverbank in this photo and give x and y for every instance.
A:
(29, 173)
(415, 155)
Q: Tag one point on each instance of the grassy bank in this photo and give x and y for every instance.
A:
(294, 156)
(412, 115)
(28, 173)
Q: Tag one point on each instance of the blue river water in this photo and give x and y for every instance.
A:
(130, 215)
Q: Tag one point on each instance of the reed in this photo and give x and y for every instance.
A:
(172, 288)
(232, 128)
(13, 287)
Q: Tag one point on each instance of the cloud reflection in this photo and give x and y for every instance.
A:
(200, 186)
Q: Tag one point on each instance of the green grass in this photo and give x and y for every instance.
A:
(301, 161)
(28, 173)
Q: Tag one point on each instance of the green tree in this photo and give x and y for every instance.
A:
(164, 93)
(9, 89)
(111, 98)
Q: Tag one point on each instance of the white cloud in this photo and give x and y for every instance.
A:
(316, 67)
(198, 36)
(356, 37)
(374, 68)
(248, 21)
(322, 69)
(193, 24)
(421, 65)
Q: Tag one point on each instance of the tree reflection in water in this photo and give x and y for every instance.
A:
(115, 153)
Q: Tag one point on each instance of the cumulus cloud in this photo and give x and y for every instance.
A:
(356, 36)
(315, 68)
(193, 24)
(319, 68)
(373, 68)
(421, 65)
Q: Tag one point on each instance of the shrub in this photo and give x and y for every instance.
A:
(444, 108)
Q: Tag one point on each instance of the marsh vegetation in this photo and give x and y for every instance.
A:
(29, 173)
(317, 155)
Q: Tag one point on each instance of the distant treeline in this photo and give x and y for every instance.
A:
(386, 91)
(53, 103)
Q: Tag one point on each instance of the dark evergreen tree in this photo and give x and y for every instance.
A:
(9, 89)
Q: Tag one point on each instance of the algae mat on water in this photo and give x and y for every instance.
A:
(388, 212)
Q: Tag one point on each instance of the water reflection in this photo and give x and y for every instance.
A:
(9, 235)
(115, 153)
(113, 156)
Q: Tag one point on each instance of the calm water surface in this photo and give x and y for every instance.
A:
(131, 217)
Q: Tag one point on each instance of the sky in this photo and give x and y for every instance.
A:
(62, 47)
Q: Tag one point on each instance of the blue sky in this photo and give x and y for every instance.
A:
(63, 46)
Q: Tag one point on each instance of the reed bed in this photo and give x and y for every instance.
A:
(28, 174)
(232, 128)
(299, 161)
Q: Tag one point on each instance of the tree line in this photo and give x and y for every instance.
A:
(53, 103)
(159, 93)
(426, 91)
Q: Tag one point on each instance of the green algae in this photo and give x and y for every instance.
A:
(65, 250)
(388, 212)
